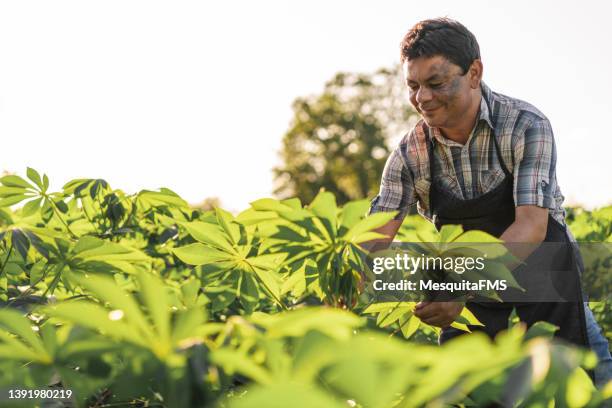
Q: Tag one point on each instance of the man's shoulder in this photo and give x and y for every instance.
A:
(412, 147)
(510, 107)
(417, 136)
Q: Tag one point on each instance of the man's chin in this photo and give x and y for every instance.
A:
(431, 121)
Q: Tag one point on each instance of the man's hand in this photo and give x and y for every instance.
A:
(440, 314)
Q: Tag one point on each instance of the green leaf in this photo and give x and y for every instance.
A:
(324, 207)
(94, 249)
(11, 200)
(156, 300)
(268, 261)
(47, 210)
(36, 272)
(20, 242)
(367, 236)
(385, 306)
(97, 318)
(61, 205)
(190, 290)
(12, 349)
(382, 315)
(88, 243)
(165, 197)
(394, 315)
(335, 323)
(95, 189)
(31, 207)
(289, 234)
(579, 389)
(270, 204)
(353, 211)
(226, 221)
(251, 216)
(6, 218)
(541, 329)
(13, 268)
(295, 283)
(270, 280)
(450, 232)
(294, 203)
(77, 186)
(106, 289)
(498, 271)
(14, 322)
(15, 181)
(409, 324)
(249, 295)
(467, 317)
(461, 326)
(10, 191)
(210, 234)
(35, 177)
(369, 223)
(233, 361)
(49, 338)
(222, 297)
(199, 254)
(187, 324)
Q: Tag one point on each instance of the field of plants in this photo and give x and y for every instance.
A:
(140, 300)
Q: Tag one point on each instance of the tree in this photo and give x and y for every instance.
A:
(339, 140)
(208, 204)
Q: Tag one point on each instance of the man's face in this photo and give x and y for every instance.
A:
(438, 90)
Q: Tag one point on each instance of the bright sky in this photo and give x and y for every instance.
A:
(196, 95)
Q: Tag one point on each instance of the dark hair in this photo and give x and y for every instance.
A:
(441, 36)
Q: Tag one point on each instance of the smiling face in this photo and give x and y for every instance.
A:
(439, 90)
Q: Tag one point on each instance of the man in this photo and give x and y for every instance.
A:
(482, 160)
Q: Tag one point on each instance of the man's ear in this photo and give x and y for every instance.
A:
(475, 74)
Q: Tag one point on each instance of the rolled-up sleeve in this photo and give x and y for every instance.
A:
(397, 191)
(535, 161)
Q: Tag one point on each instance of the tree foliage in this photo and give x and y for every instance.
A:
(339, 140)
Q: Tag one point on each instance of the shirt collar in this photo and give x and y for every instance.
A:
(484, 115)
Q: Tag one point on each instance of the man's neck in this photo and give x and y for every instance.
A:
(461, 132)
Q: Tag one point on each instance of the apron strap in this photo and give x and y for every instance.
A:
(430, 152)
(497, 148)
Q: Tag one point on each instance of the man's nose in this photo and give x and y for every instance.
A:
(423, 95)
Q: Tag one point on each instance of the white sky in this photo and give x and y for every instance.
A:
(196, 95)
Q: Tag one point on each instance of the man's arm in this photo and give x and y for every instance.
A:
(535, 159)
(389, 230)
(529, 226)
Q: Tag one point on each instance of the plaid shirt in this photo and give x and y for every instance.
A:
(468, 171)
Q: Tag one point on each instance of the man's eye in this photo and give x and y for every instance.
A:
(413, 87)
(435, 86)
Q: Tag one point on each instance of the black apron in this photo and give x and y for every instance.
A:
(493, 212)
